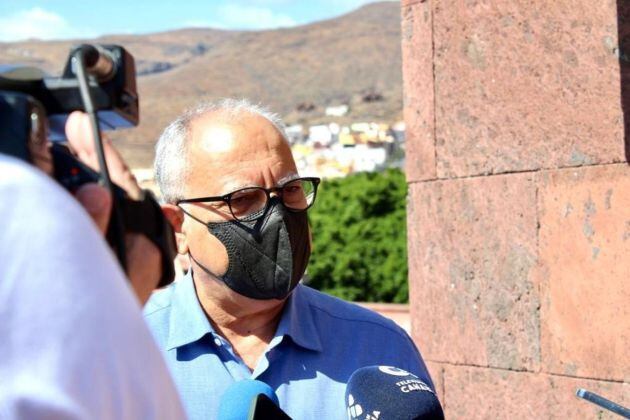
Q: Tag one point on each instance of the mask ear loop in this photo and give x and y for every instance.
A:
(203, 268)
(191, 216)
(192, 257)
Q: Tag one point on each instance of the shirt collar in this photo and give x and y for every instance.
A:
(297, 321)
(188, 322)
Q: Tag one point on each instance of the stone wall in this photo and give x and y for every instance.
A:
(519, 202)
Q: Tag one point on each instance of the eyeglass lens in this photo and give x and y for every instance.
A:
(295, 195)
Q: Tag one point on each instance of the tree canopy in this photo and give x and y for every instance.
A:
(359, 237)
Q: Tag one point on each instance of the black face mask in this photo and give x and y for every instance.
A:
(266, 257)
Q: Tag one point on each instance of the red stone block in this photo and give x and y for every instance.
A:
(524, 85)
(482, 393)
(472, 253)
(585, 271)
(417, 56)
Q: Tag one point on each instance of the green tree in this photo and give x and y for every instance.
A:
(359, 237)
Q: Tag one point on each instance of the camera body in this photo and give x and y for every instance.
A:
(113, 89)
(34, 108)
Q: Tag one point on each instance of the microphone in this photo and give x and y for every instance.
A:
(603, 402)
(98, 62)
(389, 393)
(250, 400)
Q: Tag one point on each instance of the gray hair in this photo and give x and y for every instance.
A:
(171, 150)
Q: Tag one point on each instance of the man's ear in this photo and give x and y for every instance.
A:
(175, 216)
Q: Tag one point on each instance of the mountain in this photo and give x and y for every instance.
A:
(353, 59)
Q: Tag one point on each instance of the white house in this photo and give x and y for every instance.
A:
(337, 110)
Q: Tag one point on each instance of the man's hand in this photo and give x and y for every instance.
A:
(143, 257)
(79, 134)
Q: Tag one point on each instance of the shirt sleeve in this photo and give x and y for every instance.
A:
(74, 344)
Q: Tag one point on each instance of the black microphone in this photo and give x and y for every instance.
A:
(98, 62)
(389, 393)
(250, 400)
(603, 402)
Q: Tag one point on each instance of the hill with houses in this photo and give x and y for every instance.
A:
(353, 60)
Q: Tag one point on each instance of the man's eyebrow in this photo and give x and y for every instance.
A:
(238, 186)
(235, 186)
(288, 178)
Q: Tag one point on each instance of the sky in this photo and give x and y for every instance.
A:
(63, 19)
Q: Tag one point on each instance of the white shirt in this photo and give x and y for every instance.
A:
(73, 344)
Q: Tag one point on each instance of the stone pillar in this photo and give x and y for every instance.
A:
(519, 202)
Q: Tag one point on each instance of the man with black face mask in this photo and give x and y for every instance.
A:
(239, 208)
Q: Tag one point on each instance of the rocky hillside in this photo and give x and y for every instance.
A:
(353, 59)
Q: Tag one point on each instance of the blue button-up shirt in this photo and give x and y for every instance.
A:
(320, 342)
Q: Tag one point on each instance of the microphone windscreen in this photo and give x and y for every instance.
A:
(237, 400)
(385, 392)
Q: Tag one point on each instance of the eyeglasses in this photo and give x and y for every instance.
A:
(297, 195)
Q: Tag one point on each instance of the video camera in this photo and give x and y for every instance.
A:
(99, 80)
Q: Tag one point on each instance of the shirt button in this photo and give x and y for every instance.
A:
(217, 341)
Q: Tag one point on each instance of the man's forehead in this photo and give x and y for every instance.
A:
(230, 155)
(216, 139)
(216, 133)
(211, 135)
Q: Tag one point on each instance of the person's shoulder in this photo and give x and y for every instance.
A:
(34, 194)
(344, 327)
(11, 166)
(343, 312)
(23, 181)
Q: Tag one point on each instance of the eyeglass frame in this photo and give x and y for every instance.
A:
(226, 197)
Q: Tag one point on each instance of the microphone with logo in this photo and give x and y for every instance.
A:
(389, 393)
(250, 400)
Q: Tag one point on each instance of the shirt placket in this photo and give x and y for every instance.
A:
(235, 366)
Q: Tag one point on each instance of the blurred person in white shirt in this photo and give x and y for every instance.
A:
(74, 344)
